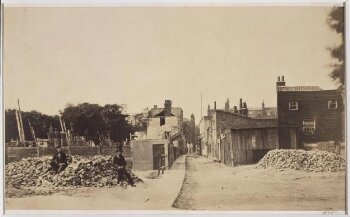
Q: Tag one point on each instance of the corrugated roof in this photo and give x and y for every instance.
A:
(299, 88)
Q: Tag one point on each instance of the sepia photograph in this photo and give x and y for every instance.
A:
(174, 108)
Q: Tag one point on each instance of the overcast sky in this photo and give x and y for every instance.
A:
(142, 56)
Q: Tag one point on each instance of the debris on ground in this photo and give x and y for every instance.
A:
(95, 171)
(309, 161)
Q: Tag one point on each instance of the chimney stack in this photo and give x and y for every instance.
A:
(155, 106)
(167, 108)
(245, 109)
(240, 105)
(263, 109)
(208, 110)
(280, 83)
(214, 105)
(227, 104)
(235, 109)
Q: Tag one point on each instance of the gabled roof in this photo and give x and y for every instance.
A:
(158, 112)
(162, 113)
(299, 88)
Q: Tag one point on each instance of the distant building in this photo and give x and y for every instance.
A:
(165, 136)
(234, 138)
(263, 112)
(314, 112)
(163, 123)
(189, 127)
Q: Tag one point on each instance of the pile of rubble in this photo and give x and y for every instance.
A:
(309, 161)
(96, 171)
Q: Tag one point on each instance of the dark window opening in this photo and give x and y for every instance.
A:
(162, 121)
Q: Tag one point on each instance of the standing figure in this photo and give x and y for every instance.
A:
(59, 160)
(161, 164)
(120, 163)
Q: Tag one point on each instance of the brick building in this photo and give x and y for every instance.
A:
(314, 112)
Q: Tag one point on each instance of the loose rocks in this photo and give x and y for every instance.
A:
(96, 171)
(310, 161)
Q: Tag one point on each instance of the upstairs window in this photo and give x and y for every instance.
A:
(309, 127)
(332, 104)
(293, 105)
(162, 121)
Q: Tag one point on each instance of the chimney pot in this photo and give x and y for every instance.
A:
(282, 78)
(278, 78)
(214, 105)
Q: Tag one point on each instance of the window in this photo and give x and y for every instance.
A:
(162, 121)
(309, 127)
(332, 104)
(293, 105)
(167, 135)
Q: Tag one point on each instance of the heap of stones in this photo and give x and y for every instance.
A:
(96, 171)
(309, 161)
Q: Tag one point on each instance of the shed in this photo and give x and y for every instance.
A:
(146, 153)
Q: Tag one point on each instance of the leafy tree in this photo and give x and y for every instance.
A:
(40, 122)
(116, 122)
(336, 22)
(94, 121)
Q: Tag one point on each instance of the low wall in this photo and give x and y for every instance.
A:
(17, 153)
(329, 146)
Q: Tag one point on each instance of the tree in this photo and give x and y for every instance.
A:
(40, 122)
(93, 121)
(116, 122)
(336, 22)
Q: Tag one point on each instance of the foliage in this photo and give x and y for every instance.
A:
(336, 22)
(90, 120)
(94, 121)
(40, 122)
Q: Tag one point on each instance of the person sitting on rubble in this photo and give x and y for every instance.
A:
(59, 161)
(120, 163)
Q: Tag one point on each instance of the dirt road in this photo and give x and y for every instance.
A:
(213, 186)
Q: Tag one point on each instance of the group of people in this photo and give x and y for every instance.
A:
(59, 162)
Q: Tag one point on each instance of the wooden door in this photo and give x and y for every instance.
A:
(293, 138)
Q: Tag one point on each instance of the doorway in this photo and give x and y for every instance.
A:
(158, 149)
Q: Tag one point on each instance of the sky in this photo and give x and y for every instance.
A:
(141, 56)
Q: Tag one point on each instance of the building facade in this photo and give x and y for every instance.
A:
(165, 123)
(314, 112)
(234, 138)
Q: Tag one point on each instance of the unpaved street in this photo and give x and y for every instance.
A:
(213, 186)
